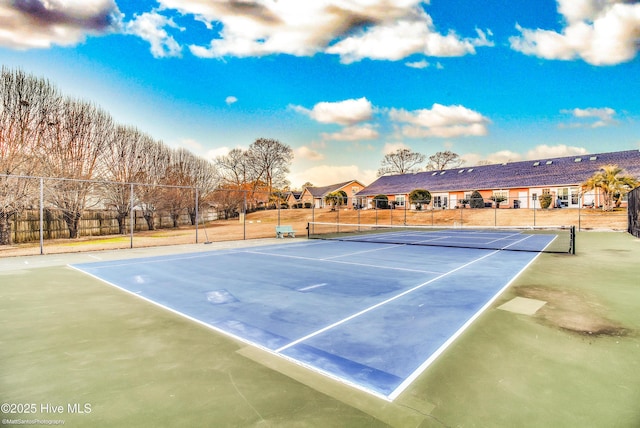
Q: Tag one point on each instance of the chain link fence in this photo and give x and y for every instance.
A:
(44, 215)
(634, 213)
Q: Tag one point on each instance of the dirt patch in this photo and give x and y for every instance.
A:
(573, 312)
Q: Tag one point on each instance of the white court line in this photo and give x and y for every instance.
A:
(508, 237)
(353, 253)
(384, 302)
(342, 262)
(159, 259)
(518, 241)
(417, 372)
(311, 287)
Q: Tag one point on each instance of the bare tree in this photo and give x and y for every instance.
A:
(156, 158)
(123, 162)
(271, 160)
(444, 160)
(204, 178)
(238, 171)
(178, 197)
(75, 141)
(24, 111)
(227, 202)
(190, 172)
(234, 169)
(402, 161)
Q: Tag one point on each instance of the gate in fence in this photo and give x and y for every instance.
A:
(634, 212)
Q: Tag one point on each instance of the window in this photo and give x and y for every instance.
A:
(549, 162)
(536, 163)
(501, 194)
(439, 201)
(578, 160)
(400, 200)
(563, 196)
(470, 169)
(592, 158)
(461, 171)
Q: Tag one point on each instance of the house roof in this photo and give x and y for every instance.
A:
(568, 171)
(319, 192)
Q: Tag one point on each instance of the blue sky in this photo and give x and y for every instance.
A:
(343, 82)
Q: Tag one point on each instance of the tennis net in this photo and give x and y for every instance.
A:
(548, 239)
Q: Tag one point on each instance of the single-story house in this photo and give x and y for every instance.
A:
(293, 198)
(518, 183)
(315, 196)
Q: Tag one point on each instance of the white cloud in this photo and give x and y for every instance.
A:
(440, 121)
(308, 153)
(418, 64)
(601, 32)
(191, 145)
(348, 112)
(503, 156)
(544, 151)
(323, 175)
(603, 117)
(353, 29)
(216, 152)
(150, 26)
(27, 24)
(230, 100)
(393, 147)
(395, 40)
(353, 133)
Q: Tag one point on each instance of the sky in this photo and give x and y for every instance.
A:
(344, 82)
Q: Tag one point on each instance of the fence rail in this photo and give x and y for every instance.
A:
(239, 215)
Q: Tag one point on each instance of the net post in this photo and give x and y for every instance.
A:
(308, 230)
(573, 240)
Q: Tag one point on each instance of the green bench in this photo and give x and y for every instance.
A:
(282, 231)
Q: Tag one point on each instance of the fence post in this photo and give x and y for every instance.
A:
(196, 215)
(580, 212)
(405, 212)
(131, 214)
(41, 216)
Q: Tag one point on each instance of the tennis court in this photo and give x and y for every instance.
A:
(369, 314)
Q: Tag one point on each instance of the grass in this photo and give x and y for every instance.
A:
(71, 339)
(98, 241)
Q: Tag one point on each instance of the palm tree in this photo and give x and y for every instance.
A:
(336, 198)
(613, 183)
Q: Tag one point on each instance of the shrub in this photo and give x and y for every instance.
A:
(419, 197)
(381, 202)
(545, 200)
(476, 200)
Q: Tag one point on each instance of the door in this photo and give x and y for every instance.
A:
(523, 197)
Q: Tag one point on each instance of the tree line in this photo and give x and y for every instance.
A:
(44, 133)
(406, 161)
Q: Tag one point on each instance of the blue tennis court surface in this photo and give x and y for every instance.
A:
(370, 315)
